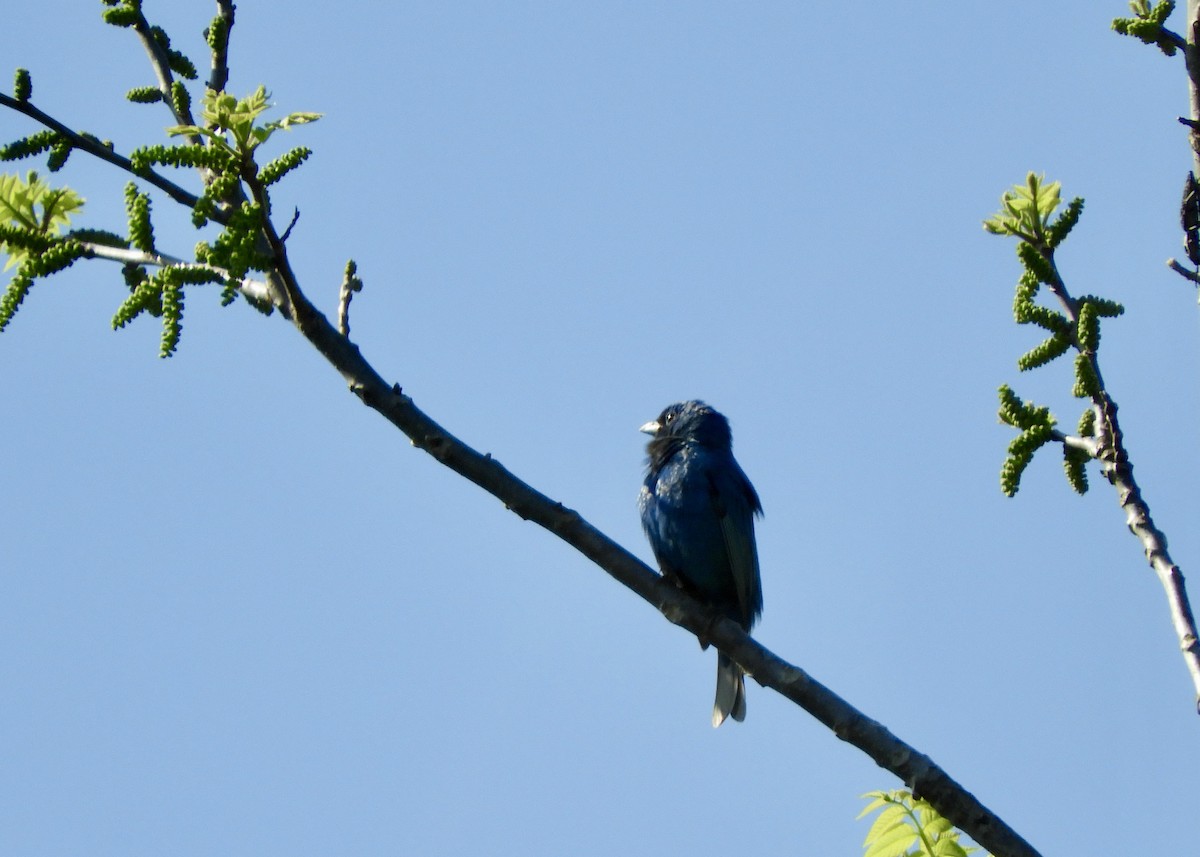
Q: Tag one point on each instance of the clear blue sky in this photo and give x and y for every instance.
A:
(240, 615)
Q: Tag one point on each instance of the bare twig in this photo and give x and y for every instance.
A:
(350, 284)
(255, 290)
(1186, 273)
(1087, 444)
(162, 70)
(291, 224)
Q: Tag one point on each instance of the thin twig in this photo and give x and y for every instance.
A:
(1186, 273)
(1087, 444)
(162, 70)
(350, 284)
(255, 290)
(295, 219)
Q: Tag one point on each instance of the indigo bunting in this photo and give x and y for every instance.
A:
(698, 512)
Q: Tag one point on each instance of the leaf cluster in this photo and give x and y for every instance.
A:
(34, 209)
(28, 147)
(32, 216)
(908, 826)
(232, 123)
(56, 256)
(1037, 429)
(236, 249)
(161, 295)
(1147, 25)
(221, 144)
(1027, 213)
(128, 13)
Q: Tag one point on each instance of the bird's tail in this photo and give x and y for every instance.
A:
(731, 692)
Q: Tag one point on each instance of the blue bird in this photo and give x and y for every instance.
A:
(698, 512)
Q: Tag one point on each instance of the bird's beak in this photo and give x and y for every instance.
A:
(651, 427)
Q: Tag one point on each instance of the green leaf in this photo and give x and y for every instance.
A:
(892, 844)
(1025, 209)
(894, 815)
(933, 823)
(226, 115)
(32, 204)
(879, 800)
(948, 847)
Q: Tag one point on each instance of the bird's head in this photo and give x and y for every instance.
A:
(690, 421)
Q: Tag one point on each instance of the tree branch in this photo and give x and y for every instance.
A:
(255, 290)
(1191, 57)
(282, 289)
(1087, 444)
(91, 145)
(1118, 469)
(915, 769)
(1179, 269)
(220, 46)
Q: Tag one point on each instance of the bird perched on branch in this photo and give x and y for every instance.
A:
(698, 511)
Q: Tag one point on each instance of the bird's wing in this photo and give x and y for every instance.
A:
(736, 503)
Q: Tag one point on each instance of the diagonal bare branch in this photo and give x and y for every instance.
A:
(93, 146)
(1118, 469)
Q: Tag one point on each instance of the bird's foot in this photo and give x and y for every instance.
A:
(705, 636)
